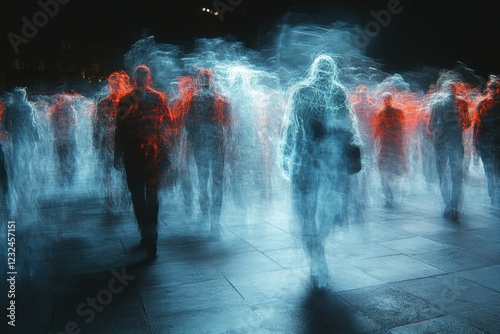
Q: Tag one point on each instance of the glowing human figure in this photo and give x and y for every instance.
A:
(19, 122)
(391, 156)
(63, 117)
(207, 123)
(487, 138)
(19, 119)
(141, 144)
(449, 117)
(318, 160)
(104, 126)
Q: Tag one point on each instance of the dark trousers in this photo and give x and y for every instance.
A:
(144, 195)
(65, 150)
(4, 181)
(450, 154)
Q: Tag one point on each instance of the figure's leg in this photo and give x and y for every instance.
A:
(151, 223)
(217, 188)
(184, 174)
(456, 169)
(137, 193)
(495, 157)
(489, 170)
(203, 166)
(441, 165)
(305, 203)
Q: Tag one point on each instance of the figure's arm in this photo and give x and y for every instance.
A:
(122, 114)
(95, 124)
(292, 130)
(431, 123)
(477, 121)
(463, 109)
(7, 121)
(33, 125)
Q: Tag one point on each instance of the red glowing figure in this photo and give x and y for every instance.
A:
(141, 144)
(389, 131)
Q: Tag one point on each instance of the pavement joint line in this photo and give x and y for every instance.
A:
(145, 313)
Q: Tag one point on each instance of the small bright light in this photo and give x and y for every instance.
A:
(203, 9)
(216, 13)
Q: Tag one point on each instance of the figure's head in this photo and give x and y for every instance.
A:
(205, 78)
(387, 99)
(363, 92)
(323, 69)
(63, 100)
(493, 87)
(20, 93)
(118, 81)
(450, 87)
(142, 76)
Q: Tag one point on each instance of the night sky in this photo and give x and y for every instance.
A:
(424, 32)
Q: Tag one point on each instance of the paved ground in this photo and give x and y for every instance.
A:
(401, 270)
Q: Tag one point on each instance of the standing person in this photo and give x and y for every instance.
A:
(207, 124)
(4, 183)
(319, 156)
(19, 120)
(487, 138)
(449, 118)
(365, 111)
(19, 123)
(4, 179)
(63, 118)
(104, 126)
(141, 145)
(390, 136)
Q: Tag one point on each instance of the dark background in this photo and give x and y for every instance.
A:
(424, 33)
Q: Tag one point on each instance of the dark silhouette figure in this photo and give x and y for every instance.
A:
(63, 118)
(141, 145)
(319, 156)
(487, 138)
(449, 117)
(389, 131)
(104, 127)
(207, 123)
(4, 182)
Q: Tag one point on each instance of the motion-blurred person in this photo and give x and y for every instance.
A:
(319, 155)
(104, 126)
(4, 182)
(487, 138)
(63, 117)
(449, 118)
(19, 120)
(19, 123)
(389, 132)
(365, 111)
(141, 146)
(426, 147)
(208, 127)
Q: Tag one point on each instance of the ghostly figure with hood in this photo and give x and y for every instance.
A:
(319, 156)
